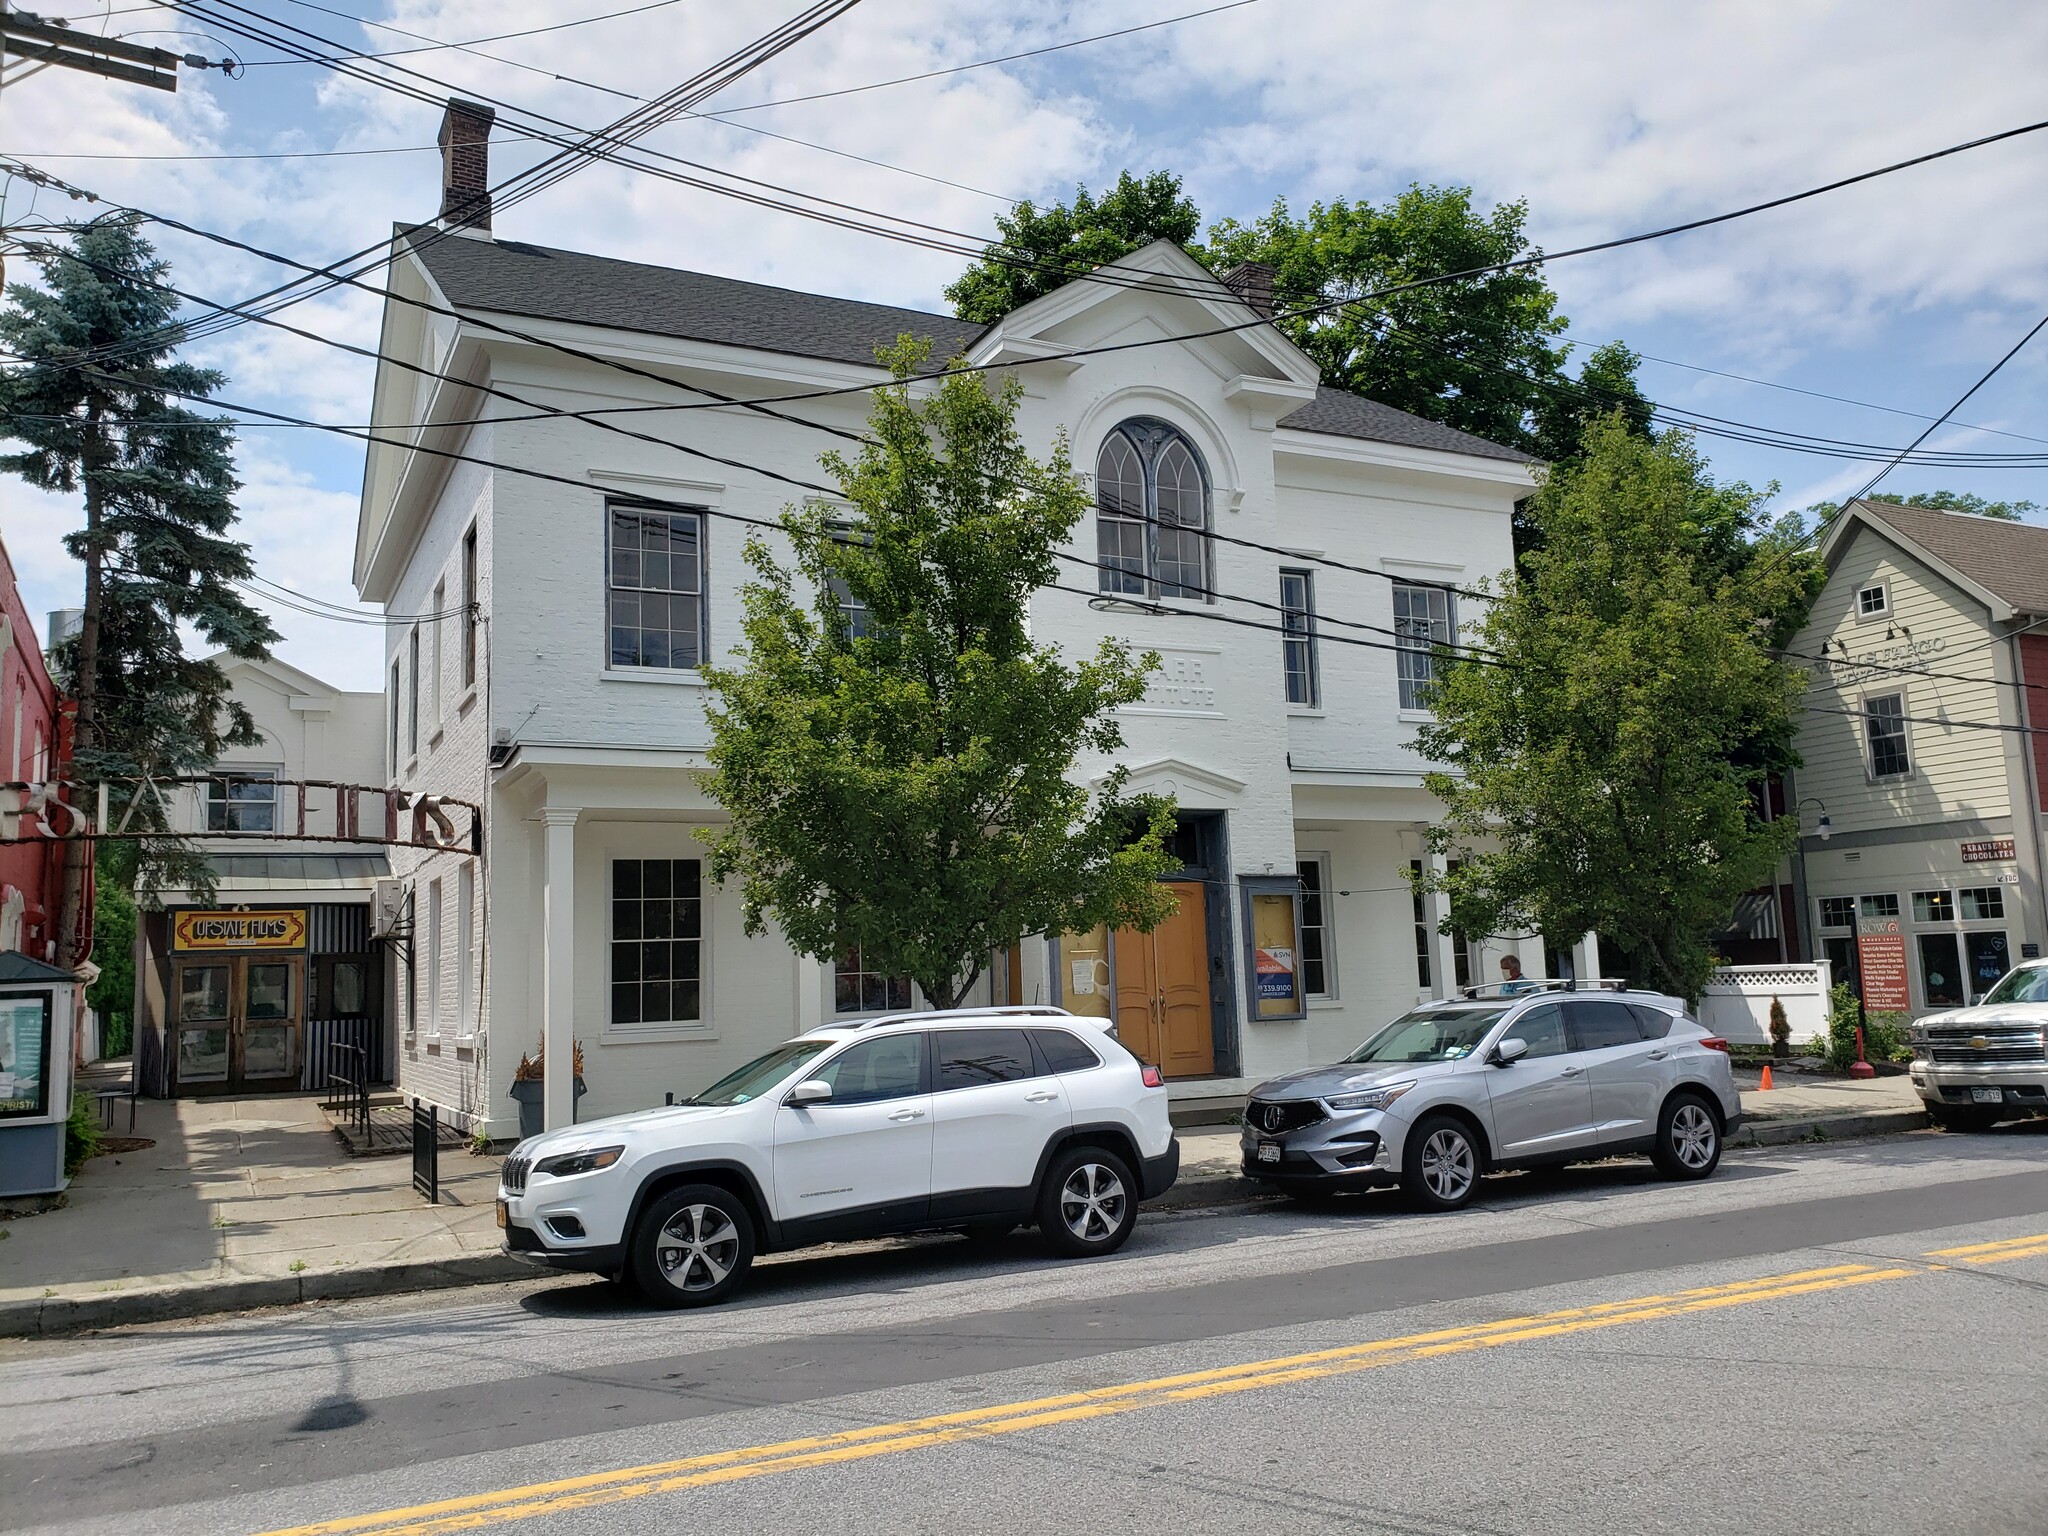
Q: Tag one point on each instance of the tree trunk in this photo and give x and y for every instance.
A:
(74, 937)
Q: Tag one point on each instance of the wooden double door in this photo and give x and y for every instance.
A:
(240, 1023)
(1162, 989)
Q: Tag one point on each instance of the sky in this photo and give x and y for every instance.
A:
(1892, 297)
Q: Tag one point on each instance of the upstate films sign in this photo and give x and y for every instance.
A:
(197, 930)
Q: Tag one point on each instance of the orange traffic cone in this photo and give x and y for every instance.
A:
(1765, 1085)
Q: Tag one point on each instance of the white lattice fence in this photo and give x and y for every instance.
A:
(1737, 1001)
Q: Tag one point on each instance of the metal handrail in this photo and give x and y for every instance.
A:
(1528, 984)
(928, 1015)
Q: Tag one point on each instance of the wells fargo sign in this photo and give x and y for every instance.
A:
(282, 929)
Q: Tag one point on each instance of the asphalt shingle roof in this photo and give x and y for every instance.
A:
(2005, 558)
(514, 278)
(1343, 414)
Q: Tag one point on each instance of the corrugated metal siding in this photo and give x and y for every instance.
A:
(343, 928)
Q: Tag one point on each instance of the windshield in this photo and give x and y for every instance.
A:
(1430, 1034)
(2029, 984)
(761, 1074)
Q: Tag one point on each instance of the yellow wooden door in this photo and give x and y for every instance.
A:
(1162, 990)
(1187, 1044)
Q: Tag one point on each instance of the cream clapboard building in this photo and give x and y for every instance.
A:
(570, 581)
(1922, 745)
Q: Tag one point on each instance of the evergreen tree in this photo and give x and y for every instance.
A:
(89, 393)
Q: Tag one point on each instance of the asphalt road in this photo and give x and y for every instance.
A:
(1792, 1346)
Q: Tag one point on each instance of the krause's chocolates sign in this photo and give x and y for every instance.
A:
(277, 929)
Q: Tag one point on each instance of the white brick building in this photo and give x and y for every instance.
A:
(572, 707)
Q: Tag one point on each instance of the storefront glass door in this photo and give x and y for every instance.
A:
(238, 1023)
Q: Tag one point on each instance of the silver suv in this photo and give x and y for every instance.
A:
(1521, 1076)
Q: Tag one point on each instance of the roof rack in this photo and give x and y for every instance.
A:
(1009, 1010)
(1528, 984)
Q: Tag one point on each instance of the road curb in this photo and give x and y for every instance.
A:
(1876, 1122)
(54, 1316)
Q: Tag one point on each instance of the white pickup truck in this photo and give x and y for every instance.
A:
(1976, 1066)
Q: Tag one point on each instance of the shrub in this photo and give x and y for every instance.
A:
(82, 1138)
(1781, 1028)
(1886, 1036)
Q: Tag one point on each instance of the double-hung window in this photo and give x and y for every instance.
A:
(1298, 638)
(655, 587)
(1318, 968)
(470, 617)
(1884, 725)
(1423, 620)
(1151, 512)
(243, 801)
(657, 941)
(412, 692)
(857, 988)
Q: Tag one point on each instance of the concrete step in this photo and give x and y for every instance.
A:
(1210, 1109)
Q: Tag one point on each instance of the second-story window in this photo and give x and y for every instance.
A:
(1423, 620)
(1884, 724)
(1298, 638)
(656, 588)
(412, 692)
(1151, 513)
(243, 801)
(469, 614)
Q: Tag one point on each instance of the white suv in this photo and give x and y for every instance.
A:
(974, 1120)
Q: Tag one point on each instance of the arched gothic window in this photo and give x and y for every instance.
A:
(1151, 512)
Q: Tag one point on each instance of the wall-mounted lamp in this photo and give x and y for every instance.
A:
(1826, 828)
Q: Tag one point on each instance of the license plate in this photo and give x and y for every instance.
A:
(1269, 1151)
(501, 1213)
(1988, 1095)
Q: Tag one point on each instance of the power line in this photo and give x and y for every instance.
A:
(496, 37)
(961, 69)
(1968, 725)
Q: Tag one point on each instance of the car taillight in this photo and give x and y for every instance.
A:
(1151, 1076)
(1716, 1043)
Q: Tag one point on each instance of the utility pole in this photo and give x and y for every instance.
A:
(27, 36)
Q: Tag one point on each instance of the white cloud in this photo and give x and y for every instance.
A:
(1608, 117)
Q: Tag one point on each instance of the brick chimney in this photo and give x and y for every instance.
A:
(465, 141)
(1252, 281)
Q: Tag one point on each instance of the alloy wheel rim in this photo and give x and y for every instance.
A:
(1092, 1202)
(698, 1248)
(1447, 1164)
(1692, 1136)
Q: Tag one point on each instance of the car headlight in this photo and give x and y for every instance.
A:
(589, 1160)
(1371, 1098)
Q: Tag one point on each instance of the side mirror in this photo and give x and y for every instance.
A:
(1508, 1052)
(810, 1091)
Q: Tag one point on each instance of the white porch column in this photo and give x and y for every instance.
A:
(1586, 958)
(1443, 947)
(558, 994)
(1535, 957)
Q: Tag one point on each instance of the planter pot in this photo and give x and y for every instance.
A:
(532, 1110)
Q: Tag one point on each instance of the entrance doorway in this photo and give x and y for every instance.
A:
(1162, 989)
(238, 1023)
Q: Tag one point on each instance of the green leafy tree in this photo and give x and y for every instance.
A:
(1603, 734)
(904, 784)
(113, 948)
(1483, 354)
(91, 401)
(1045, 248)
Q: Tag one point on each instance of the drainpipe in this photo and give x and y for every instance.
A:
(2031, 784)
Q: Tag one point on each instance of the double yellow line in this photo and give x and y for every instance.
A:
(566, 1495)
(1996, 1253)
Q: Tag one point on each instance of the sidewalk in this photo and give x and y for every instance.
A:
(254, 1202)
(241, 1203)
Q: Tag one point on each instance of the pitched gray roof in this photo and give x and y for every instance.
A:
(513, 278)
(2007, 559)
(1343, 414)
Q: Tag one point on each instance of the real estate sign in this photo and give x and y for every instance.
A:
(1881, 957)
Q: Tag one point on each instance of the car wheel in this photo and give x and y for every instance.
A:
(692, 1247)
(1688, 1142)
(1088, 1202)
(1962, 1120)
(1440, 1167)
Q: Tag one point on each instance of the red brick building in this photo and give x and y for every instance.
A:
(35, 741)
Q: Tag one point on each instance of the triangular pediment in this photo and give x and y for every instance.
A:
(1155, 775)
(1160, 287)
